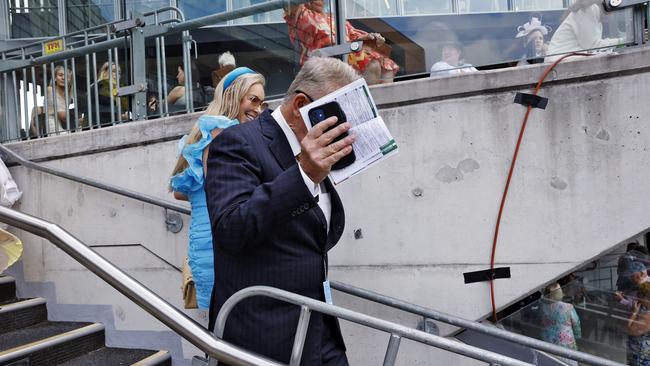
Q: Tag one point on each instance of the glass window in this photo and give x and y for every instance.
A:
(82, 14)
(481, 6)
(272, 16)
(145, 6)
(199, 8)
(538, 4)
(30, 18)
(370, 8)
(416, 7)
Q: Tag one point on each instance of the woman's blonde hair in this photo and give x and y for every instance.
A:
(644, 291)
(555, 292)
(103, 72)
(224, 104)
(69, 81)
(227, 103)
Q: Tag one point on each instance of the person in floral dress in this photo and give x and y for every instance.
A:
(638, 329)
(560, 322)
(311, 28)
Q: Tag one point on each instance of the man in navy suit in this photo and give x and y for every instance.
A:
(275, 215)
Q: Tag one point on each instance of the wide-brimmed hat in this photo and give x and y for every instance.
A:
(533, 25)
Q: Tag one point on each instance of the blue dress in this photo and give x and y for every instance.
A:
(190, 182)
(638, 348)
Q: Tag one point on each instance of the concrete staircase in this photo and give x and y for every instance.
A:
(27, 338)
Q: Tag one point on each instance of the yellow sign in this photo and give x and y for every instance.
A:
(54, 46)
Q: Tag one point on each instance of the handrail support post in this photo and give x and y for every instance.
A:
(139, 98)
(301, 334)
(392, 349)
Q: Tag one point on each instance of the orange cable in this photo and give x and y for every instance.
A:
(512, 168)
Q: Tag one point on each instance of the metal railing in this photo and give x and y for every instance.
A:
(396, 331)
(472, 325)
(346, 288)
(87, 113)
(94, 183)
(106, 101)
(134, 290)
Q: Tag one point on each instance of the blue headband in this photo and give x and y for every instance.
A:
(234, 74)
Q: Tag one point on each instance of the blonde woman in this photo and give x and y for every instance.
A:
(237, 99)
(104, 90)
(56, 121)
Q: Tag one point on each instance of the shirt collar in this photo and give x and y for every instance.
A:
(288, 132)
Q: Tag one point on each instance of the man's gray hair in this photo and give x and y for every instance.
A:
(320, 76)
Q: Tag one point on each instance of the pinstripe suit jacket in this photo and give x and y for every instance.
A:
(267, 229)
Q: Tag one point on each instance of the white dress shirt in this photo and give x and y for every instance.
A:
(324, 200)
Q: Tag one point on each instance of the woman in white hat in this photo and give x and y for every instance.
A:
(533, 45)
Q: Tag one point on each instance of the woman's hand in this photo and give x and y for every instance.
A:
(379, 40)
(544, 49)
(152, 104)
(83, 121)
(179, 196)
(636, 307)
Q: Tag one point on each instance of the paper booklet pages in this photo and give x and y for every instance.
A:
(373, 141)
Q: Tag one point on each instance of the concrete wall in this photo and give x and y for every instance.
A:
(426, 216)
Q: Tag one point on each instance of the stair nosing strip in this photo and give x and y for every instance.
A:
(6, 279)
(154, 359)
(24, 350)
(23, 304)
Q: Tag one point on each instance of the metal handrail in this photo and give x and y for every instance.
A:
(176, 320)
(87, 31)
(396, 331)
(472, 325)
(95, 183)
(151, 32)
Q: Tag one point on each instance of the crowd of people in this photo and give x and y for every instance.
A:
(67, 118)
(264, 211)
(581, 29)
(567, 310)
(310, 27)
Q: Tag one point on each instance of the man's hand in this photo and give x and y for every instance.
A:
(319, 153)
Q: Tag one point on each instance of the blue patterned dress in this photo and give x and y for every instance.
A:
(638, 348)
(560, 324)
(190, 182)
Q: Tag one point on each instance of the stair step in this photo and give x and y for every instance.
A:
(22, 313)
(7, 289)
(121, 356)
(50, 343)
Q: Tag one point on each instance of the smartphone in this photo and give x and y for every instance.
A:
(321, 113)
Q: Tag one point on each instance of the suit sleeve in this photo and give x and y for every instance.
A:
(245, 211)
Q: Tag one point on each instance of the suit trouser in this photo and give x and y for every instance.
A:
(331, 352)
